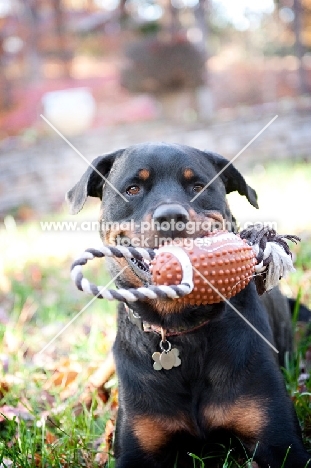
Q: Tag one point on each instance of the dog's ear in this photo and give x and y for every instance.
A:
(92, 181)
(232, 179)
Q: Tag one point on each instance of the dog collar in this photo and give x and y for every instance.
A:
(152, 328)
(169, 357)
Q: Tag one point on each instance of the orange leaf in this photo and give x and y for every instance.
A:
(105, 448)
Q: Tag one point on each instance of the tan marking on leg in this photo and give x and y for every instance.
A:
(245, 416)
(248, 417)
(153, 432)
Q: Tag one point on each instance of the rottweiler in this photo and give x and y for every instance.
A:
(228, 386)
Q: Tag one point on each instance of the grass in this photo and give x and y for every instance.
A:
(282, 188)
(41, 424)
(69, 443)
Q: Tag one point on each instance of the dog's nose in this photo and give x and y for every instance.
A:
(168, 215)
(171, 212)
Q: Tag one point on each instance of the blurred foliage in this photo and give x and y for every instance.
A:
(148, 70)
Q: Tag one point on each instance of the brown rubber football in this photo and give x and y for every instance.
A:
(223, 264)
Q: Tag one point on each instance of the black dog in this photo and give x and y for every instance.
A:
(228, 383)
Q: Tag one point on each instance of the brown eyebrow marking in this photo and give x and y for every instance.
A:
(188, 173)
(144, 174)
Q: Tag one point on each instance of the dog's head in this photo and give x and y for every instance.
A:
(152, 192)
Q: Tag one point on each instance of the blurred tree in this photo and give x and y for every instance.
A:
(299, 46)
(32, 16)
(306, 20)
(202, 20)
(61, 36)
(296, 16)
(169, 61)
(174, 19)
(5, 85)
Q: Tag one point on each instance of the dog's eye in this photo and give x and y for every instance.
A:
(198, 188)
(133, 190)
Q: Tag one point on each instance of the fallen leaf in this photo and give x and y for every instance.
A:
(50, 438)
(11, 412)
(6, 463)
(105, 448)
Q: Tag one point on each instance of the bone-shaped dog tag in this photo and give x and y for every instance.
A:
(166, 360)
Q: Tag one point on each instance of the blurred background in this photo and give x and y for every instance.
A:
(108, 73)
(83, 77)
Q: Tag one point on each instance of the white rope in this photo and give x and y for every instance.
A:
(132, 294)
(279, 267)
